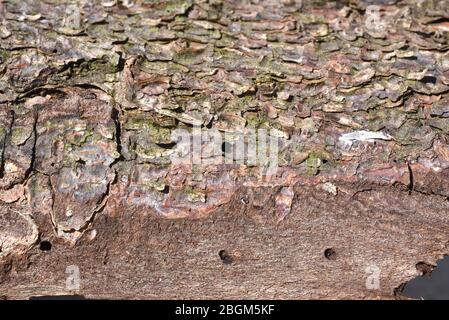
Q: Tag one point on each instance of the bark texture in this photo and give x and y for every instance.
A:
(92, 91)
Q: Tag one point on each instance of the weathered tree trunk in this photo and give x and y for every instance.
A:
(93, 203)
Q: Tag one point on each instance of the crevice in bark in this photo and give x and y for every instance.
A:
(88, 86)
(5, 143)
(40, 91)
(30, 170)
(118, 134)
(410, 176)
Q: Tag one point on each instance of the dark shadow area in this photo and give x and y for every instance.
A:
(432, 285)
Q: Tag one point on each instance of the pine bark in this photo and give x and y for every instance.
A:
(91, 92)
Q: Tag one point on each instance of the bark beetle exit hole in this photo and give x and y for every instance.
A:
(45, 245)
(330, 254)
(225, 257)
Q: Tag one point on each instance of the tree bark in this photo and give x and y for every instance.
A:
(355, 92)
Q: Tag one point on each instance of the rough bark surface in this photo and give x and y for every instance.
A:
(92, 91)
